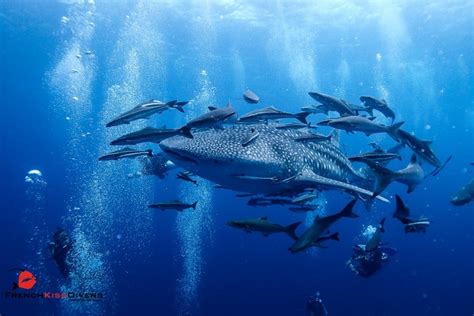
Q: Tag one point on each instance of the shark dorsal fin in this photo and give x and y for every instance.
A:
(211, 108)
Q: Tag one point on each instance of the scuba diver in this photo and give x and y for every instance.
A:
(156, 165)
(367, 259)
(60, 248)
(315, 306)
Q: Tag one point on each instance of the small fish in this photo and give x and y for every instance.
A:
(319, 226)
(214, 118)
(271, 113)
(149, 134)
(362, 124)
(315, 109)
(411, 175)
(185, 177)
(402, 213)
(250, 138)
(331, 103)
(293, 125)
(465, 195)
(250, 97)
(144, 111)
(379, 105)
(375, 157)
(126, 153)
(423, 148)
(262, 225)
(313, 137)
(173, 205)
(305, 198)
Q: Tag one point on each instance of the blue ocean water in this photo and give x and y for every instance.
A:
(69, 67)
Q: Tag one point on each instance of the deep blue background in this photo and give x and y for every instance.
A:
(284, 50)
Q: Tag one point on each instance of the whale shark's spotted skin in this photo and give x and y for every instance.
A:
(218, 155)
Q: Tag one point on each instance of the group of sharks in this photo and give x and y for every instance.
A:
(284, 163)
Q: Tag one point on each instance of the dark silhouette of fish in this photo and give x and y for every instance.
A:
(250, 97)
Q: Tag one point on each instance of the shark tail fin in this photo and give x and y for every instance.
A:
(171, 103)
(182, 103)
(393, 129)
(384, 176)
(194, 205)
(291, 230)
(186, 131)
(381, 226)
(401, 210)
(334, 236)
(302, 117)
(347, 210)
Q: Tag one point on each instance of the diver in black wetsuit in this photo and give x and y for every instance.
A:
(60, 248)
(315, 306)
(368, 259)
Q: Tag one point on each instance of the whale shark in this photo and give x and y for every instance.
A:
(273, 163)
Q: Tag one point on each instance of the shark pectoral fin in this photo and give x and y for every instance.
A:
(313, 180)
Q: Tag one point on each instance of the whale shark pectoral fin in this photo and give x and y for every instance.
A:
(312, 179)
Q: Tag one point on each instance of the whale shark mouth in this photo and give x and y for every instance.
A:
(177, 155)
